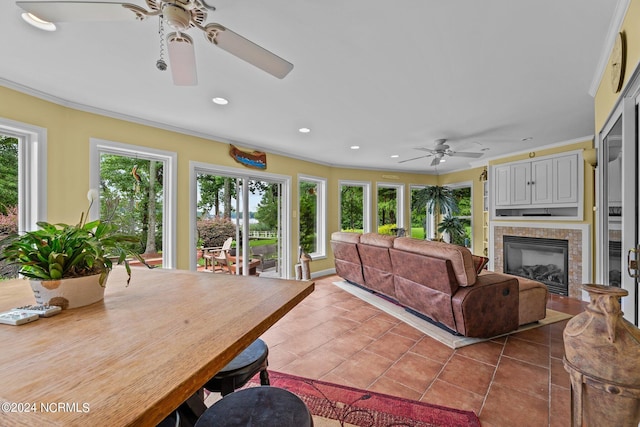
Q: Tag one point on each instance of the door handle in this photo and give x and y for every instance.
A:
(632, 264)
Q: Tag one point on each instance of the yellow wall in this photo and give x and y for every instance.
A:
(69, 132)
(605, 99)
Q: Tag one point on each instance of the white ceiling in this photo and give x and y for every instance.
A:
(386, 76)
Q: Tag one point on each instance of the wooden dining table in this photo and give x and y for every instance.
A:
(133, 358)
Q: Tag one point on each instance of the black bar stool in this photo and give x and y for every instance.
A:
(257, 407)
(241, 369)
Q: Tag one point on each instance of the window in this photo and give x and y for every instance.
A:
(31, 145)
(390, 200)
(312, 215)
(462, 193)
(354, 206)
(137, 190)
(265, 196)
(420, 220)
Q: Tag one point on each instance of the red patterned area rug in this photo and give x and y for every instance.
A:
(337, 405)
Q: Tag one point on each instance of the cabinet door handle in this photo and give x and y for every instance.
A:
(532, 182)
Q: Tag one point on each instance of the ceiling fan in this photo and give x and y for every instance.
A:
(180, 16)
(439, 151)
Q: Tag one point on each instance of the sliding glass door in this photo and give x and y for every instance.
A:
(617, 178)
(247, 207)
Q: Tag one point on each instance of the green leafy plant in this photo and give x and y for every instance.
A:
(439, 200)
(453, 226)
(59, 251)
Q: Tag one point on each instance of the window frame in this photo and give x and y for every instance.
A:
(428, 216)
(469, 185)
(399, 187)
(321, 214)
(32, 171)
(169, 186)
(366, 205)
(246, 174)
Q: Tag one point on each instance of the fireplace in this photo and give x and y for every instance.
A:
(542, 259)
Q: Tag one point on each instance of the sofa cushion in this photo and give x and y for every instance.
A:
(460, 257)
(376, 239)
(479, 262)
(346, 236)
(347, 258)
(376, 263)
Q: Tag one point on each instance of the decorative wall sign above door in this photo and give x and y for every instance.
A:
(250, 159)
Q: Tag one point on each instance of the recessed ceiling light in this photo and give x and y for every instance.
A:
(443, 160)
(304, 130)
(394, 156)
(220, 100)
(38, 23)
(355, 147)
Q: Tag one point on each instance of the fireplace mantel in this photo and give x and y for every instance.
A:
(578, 236)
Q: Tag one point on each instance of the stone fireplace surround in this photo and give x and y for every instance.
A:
(578, 236)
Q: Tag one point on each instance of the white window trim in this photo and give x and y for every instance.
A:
(321, 214)
(399, 201)
(366, 208)
(169, 186)
(428, 218)
(198, 167)
(32, 167)
(466, 184)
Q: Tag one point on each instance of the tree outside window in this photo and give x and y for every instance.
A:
(352, 208)
(463, 201)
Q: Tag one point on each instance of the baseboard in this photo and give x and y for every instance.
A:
(322, 273)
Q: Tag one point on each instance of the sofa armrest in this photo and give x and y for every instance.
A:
(488, 308)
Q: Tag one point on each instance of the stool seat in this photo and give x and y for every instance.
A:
(241, 369)
(258, 407)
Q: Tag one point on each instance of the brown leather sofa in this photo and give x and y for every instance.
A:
(439, 281)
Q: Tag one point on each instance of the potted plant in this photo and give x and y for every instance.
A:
(62, 260)
(452, 227)
(439, 200)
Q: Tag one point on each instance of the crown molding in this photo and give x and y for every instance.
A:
(485, 162)
(614, 28)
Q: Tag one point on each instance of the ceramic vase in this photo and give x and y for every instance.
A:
(602, 356)
(69, 293)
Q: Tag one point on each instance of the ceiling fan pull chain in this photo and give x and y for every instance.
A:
(160, 64)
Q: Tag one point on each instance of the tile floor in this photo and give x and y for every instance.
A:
(517, 380)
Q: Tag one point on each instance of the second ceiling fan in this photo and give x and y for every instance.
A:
(180, 16)
(439, 151)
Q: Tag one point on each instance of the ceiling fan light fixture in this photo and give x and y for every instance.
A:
(182, 59)
(40, 24)
(177, 17)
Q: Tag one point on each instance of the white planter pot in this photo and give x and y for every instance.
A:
(69, 293)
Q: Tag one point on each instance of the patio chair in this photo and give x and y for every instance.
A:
(217, 255)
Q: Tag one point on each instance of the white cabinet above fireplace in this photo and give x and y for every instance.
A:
(545, 187)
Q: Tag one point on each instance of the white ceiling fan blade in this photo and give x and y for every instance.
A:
(466, 154)
(182, 59)
(428, 150)
(77, 11)
(436, 161)
(415, 158)
(248, 51)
